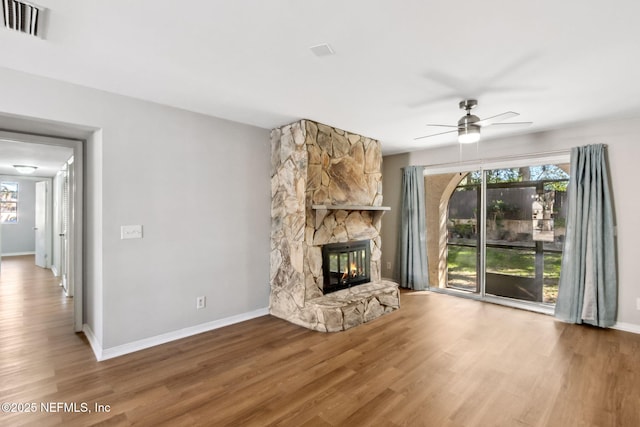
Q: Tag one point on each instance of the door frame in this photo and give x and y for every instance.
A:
(482, 165)
(76, 213)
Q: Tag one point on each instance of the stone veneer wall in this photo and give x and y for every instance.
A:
(289, 161)
(344, 169)
(316, 164)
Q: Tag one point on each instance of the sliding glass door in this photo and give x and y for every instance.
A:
(499, 231)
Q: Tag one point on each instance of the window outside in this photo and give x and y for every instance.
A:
(524, 228)
(9, 202)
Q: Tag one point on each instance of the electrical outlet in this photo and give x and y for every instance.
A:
(201, 302)
(388, 265)
(638, 303)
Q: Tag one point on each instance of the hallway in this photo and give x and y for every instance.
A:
(36, 335)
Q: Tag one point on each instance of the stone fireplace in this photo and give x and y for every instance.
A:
(326, 188)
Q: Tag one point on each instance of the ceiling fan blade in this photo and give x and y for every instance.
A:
(515, 123)
(494, 119)
(435, 134)
(444, 126)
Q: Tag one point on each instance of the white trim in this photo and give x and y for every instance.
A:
(93, 341)
(76, 230)
(19, 254)
(500, 162)
(54, 270)
(523, 305)
(75, 276)
(35, 178)
(627, 327)
(536, 307)
(121, 350)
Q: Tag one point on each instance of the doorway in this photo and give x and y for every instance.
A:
(44, 152)
(499, 230)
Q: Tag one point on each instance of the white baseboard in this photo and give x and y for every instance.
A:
(93, 341)
(120, 350)
(19, 253)
(54, 270)
(627, 327)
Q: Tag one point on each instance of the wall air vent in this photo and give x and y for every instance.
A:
(22, 16)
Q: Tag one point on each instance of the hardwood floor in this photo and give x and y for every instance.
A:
(438, 361)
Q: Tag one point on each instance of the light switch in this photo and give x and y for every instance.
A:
(131, 232)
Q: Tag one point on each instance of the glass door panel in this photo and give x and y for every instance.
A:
(523, 243)
(462, 234)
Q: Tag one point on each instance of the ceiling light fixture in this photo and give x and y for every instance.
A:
(25, 169)
(469, 134)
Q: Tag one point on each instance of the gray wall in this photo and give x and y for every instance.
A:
(623, 152)
(199, 186)
(20, 238)
(391, 184)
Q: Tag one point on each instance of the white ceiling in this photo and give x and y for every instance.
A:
(397, 65)
(49, 159)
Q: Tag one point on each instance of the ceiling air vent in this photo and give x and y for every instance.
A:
(22, 16)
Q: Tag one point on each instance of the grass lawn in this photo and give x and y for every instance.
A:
(461, 263)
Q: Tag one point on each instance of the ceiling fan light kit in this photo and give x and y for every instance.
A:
(469, 134)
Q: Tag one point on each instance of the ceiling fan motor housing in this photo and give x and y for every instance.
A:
(468, 120)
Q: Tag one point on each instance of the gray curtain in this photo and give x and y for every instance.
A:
(412, 254)
(588, 291)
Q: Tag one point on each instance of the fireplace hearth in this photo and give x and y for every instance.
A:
(345, 265)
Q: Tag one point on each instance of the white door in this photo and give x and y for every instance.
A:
(73, 238)
(64, 232)
(41, 224)
(60, 248)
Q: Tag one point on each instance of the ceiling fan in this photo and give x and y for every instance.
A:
(469, 125)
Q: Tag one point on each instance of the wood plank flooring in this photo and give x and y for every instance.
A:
(438, 361)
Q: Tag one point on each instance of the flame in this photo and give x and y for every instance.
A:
(350, 272)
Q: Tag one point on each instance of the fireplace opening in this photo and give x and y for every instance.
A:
(345, 265)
